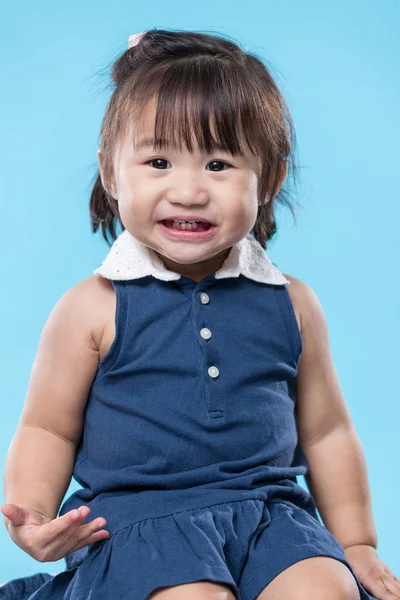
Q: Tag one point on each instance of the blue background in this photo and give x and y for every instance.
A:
(337, 65)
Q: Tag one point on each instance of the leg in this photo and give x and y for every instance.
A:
(319, 578)
(199, 590)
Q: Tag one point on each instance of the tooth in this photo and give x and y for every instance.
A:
(178, 221)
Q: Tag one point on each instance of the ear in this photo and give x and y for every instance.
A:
(284, 170)
(100, 159)
(112, 190)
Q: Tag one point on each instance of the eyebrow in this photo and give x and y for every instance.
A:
(149, 142)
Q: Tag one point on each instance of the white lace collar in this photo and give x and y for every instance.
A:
(130, 259)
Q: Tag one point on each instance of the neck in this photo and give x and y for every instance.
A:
(196, 271)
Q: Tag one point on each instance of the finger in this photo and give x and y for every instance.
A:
(61, 527)
(98, 536)
(378, 588)
(389, 594)
(77, 535)
(59, 549)
(16, 514)
(85, 536)
(392, 575)
(391, 581)
(391, 586)
(57, 527)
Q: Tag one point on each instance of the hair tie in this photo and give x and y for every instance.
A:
(135, 39)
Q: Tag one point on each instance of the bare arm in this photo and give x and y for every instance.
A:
(41, 455)
(337, 476)
(38, 470)
(338, 481)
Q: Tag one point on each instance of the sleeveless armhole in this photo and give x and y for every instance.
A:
(110, 359)
(290, 322)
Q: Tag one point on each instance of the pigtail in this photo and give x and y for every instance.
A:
(104, 213)
(265, 225)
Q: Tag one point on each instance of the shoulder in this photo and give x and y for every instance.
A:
(92, 299)
(305, 302)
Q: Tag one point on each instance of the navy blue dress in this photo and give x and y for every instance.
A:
(190, 448)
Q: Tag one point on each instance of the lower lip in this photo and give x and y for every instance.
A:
(188, 235)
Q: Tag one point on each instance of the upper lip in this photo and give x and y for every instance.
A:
(187, 218)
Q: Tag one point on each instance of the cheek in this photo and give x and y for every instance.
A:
(252, 196)
(245, 208)
(251, 210)
(129, 199)
(131, 212)
(249, 201)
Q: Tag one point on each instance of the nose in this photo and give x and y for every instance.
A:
(187, 189)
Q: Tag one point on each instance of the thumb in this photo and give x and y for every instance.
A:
(16, 514)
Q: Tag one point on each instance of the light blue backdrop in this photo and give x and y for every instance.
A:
(337, 64)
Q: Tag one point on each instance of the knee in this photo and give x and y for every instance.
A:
(319, 578)
(340, 590)
(334, 582)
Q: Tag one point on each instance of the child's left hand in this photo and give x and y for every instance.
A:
(372, 573)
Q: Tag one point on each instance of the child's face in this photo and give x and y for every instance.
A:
(185, 184)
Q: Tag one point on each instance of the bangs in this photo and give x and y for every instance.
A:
(197, 104)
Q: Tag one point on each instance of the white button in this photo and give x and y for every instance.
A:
(213, 371)
(205, 333)
(204, 298)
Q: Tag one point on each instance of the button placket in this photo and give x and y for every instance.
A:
(212, 370)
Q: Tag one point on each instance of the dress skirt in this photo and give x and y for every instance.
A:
(242, 544)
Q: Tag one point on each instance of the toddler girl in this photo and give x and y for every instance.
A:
(170, 385)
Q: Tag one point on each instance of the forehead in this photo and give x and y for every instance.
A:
(194, 137)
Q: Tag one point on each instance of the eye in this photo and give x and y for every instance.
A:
(153, 160)
(163, 160)
(221, 162)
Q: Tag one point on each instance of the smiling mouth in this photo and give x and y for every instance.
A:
(201, 226)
